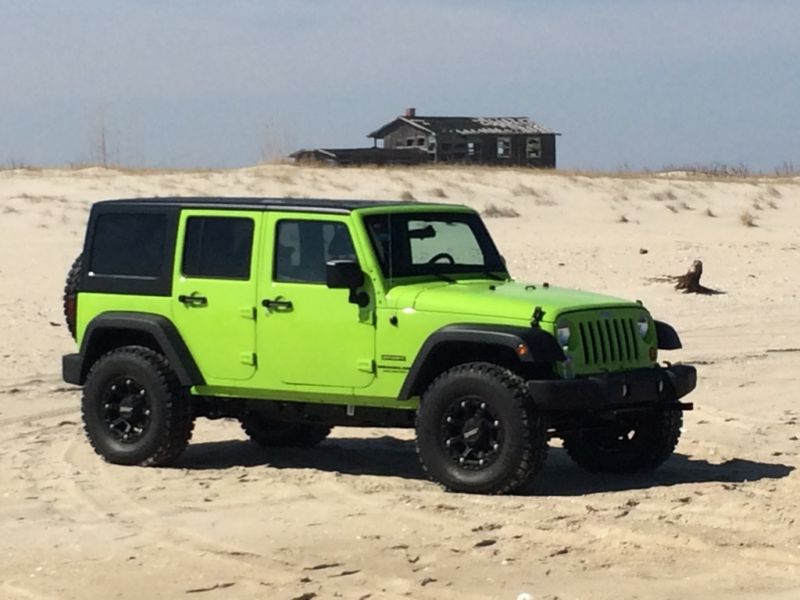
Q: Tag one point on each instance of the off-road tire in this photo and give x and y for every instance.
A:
(71, 294)
(169, 424)
(503, 403)
(278, 434)
(641, 444)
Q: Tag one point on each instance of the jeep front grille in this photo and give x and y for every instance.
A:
(609, 341)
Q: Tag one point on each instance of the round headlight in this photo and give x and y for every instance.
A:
(562, 333)
(642, 325)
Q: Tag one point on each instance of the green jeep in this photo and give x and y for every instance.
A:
(294, 316)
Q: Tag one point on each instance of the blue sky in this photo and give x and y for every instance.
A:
(180, 83)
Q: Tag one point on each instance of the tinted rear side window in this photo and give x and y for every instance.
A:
(129, 245)
(218, 247)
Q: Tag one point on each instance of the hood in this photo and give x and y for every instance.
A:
(511, 299)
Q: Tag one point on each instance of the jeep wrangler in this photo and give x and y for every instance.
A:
(294, 316)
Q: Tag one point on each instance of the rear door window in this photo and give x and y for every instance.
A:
(218, 247)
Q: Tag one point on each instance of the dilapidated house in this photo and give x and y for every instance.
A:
(412, 139)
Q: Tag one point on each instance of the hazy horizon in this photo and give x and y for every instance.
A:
(639, 85)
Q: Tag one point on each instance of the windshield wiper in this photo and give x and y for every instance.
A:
(444, 277)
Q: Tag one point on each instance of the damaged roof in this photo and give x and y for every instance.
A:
(466, 126)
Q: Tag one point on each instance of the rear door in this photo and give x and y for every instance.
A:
(309, 334)
(214, 290)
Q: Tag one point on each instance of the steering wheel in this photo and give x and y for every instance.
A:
(440, 256)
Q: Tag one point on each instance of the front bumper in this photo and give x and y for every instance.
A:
(657, 385)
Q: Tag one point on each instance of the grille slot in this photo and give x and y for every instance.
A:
(608, 341)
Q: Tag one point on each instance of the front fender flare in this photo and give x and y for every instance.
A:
(540, 347)
(668, 338)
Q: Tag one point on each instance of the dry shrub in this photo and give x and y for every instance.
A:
(340, 186)
(7, 210)
(661, 196)
(283, 178)
(33, 199)
(672, 208)
(408, 196)
(714, 170)
(787, 169)
(623, 219)
(685, 205)
(747, 219)
(493, 211)
(524, 190)
(774, 192)
(709, 213)
(772, 204)
(757, 204)
(545, 202)
(438, 193)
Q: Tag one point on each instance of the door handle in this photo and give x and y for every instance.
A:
(277, 304)
(193, 300)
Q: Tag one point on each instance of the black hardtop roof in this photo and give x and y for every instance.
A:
(297, 204)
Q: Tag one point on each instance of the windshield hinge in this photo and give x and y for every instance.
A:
(538, 315)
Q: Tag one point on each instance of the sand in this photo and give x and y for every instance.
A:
(355, 518)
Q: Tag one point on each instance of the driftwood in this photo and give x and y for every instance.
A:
(689, 282)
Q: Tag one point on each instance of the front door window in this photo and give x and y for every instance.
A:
(303, 247)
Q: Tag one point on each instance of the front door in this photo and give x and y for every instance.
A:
(309, 334)
(214, 294)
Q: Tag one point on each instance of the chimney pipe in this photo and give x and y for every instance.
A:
(410, 113)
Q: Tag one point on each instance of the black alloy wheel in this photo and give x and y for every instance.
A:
(126, 409)
(472, 433)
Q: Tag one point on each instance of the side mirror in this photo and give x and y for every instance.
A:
(343, 274)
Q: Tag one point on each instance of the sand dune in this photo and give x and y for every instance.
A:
(355, 518)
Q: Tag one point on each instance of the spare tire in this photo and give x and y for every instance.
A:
(71, 295)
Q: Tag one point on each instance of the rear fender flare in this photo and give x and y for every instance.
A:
(101, 331)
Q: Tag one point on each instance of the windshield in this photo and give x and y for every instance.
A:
(414, 244)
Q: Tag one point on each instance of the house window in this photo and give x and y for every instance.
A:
(420, 141)
(534, 147)
(473, 149)
(409, 141)
(504, 147)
